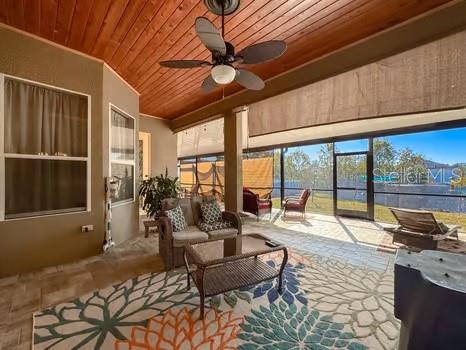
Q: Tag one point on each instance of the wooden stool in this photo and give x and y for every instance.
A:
(147, 225)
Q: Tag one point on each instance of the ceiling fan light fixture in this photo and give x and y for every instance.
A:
(223, 74)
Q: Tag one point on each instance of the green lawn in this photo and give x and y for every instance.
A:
(323, 204)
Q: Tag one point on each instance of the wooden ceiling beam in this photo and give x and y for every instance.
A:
(423, 29)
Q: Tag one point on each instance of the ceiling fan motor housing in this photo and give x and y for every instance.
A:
(228, 58)
(215, 6)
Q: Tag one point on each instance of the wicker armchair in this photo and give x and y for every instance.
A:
(297, 204)
(255, 205)
(171, 244)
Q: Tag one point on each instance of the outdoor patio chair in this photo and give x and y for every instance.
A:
(297, 204)
(419, 229)
(253, 204)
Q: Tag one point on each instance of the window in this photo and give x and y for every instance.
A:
(187, 173)
(122, 157)
(424, 170)
(211, 175)
(311, 167)
(44, 159)
(258, 170)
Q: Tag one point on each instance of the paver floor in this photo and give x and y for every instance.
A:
(353, 242)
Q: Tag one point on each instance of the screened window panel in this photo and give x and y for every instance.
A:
(258, 170)
(122, 129)
(309, 167)
(187, 173)
(41, 120)
(37, 186)
(124, 173)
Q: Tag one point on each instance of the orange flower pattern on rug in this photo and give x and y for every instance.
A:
(181, 329)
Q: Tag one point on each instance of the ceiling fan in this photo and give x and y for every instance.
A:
(225, 61)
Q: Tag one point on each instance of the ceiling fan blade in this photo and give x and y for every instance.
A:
(249, 80)
(208, 84)
(262, 52)
(209, 35)
(184, 64)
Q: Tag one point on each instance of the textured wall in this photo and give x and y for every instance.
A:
(163, 145)
(125, 219)
(426, 78)
(30, 244)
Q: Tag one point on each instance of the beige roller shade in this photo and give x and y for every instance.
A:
(428, 78)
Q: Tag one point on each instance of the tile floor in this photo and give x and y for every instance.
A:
(21, 295)
(353, 241)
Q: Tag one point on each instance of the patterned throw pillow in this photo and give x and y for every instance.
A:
(177, 218)
(211, 212)
(219, 225)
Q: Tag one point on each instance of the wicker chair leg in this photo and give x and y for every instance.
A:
(188, 274)
(282, 268)
(201, 315)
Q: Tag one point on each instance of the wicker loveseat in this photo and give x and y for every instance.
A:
(171, 243)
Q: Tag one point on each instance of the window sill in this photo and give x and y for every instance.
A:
(121, 203)
(47, 214)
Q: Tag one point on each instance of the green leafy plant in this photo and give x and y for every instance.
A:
(155, 189)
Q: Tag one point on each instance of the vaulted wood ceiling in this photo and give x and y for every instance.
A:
(132, 36)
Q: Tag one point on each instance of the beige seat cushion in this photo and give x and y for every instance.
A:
(223, 233)
(190, 235)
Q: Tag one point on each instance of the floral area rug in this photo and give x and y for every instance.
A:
(326, 304)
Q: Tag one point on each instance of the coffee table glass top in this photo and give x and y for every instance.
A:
(250, 243)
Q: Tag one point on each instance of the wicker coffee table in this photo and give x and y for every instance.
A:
(215, 275)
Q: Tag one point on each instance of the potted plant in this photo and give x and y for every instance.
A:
(155, 189)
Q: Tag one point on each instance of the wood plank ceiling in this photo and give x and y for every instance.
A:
(132, 36)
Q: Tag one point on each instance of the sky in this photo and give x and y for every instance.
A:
(445, 146)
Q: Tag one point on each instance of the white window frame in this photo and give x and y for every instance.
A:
(123, 162)
(4, 156)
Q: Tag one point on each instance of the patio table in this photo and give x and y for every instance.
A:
(213, 276)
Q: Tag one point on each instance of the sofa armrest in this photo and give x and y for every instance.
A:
(165, 228)
(233, 218)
